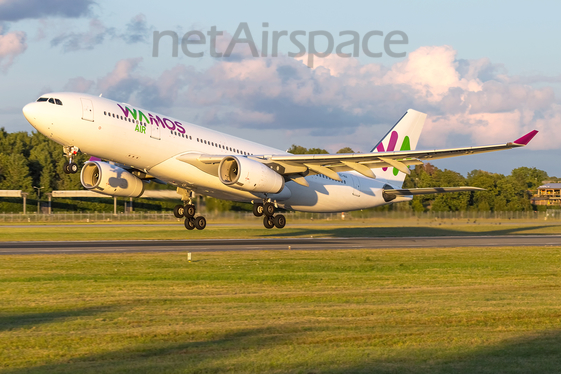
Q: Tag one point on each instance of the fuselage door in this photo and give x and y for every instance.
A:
(155, 131)
(87, 110)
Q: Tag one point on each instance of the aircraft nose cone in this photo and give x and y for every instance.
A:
(29, 111)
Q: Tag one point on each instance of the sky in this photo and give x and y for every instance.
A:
(485, 72)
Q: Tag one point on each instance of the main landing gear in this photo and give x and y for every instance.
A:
(187, 210)
(269, 220)
(70, 167)
(191, 222)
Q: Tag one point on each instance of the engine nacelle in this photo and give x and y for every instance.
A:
(110, 180)
(248, 175)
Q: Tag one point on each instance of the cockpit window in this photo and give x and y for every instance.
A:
(51, 100)
(42, 99)
(58, 102)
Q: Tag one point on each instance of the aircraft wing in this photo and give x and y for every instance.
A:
(363, 162)
(295, 167)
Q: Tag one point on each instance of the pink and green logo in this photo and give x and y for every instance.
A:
(405, 146)
(152, 119)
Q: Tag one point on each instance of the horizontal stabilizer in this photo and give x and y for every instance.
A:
(430, 190)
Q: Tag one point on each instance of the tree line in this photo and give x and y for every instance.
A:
(33, 163)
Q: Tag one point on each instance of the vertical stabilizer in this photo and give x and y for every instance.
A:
(402, 137)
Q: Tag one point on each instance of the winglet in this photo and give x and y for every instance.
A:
(526, 138)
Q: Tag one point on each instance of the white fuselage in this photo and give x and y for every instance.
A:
(151, 142)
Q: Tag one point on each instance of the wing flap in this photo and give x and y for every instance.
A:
(361, 168)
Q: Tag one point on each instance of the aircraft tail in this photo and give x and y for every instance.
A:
(402, 137)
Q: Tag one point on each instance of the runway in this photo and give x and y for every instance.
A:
(215, 245)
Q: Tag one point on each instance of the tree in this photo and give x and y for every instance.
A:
(299, 150)
(532, 177)
(14, 173)
(346, 150)
(450, 201)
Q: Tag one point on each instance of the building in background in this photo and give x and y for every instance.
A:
(548, 194)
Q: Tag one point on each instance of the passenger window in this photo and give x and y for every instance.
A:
(42, 99)
(113, 115)
(58, 102)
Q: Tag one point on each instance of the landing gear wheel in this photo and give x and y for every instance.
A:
(268, 222)
(66, 169)
(179, 211)
(200, 223)
(189, 223)
(279, 221)
(190, 210)
(72, 168)
(269, 209)
(258, 210)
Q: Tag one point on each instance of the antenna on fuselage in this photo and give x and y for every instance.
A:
(100, 94)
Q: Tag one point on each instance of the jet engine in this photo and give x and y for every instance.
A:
(110, 180)
(249, 175)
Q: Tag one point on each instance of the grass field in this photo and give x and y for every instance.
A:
(255, 230)
(463, 310)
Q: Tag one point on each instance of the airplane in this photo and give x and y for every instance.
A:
(131, 146)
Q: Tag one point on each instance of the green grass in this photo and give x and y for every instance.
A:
(463, 310)
(252, 230)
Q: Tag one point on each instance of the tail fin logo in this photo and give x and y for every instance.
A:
(394, 137)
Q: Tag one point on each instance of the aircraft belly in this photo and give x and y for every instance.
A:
(188, 176)
(329, 198)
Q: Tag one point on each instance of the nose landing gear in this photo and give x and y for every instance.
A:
(70, 152)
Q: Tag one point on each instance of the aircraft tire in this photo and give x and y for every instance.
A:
(190, 210)
(189, 223)
(72, 168)
(200, 223)
(179, 211)
(268, 222)
(279, 221)
(258, 210)
(269, 209)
